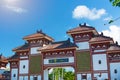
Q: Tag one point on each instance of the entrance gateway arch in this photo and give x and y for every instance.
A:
(89, 53)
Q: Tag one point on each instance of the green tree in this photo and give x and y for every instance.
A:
(115, 2)
(50, 76)
(61, 74)
(69, 75)
(57, 74)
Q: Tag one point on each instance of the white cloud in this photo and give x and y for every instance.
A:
(83, 11)
(16, 9)
(114, 32)
(108, 18)
(12, 5)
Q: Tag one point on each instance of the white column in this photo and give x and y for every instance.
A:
(46, 72)
(53, 75)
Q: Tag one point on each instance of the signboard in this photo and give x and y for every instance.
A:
(58, 60)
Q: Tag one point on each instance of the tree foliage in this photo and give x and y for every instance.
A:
(69, 76)
(115, 2)
(61, 74)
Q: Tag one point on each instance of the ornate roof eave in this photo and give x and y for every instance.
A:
(20, 50)
(10, 60)
(4, 61)
(47, 50)
(84, 31)
(94, 42)
(113, 51)
(49, 38)
(39, 37)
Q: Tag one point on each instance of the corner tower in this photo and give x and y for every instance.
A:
(26, 63)
(81, 36)
(114, 61)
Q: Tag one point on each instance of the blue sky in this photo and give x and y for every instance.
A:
(19, 18)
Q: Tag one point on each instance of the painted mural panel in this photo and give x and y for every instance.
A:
(35, 64)
(83, 61)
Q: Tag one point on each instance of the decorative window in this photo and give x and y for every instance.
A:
(23, 66)
(115, 71)
(99, 62)
(84, 76)
(14, 75)
(35, 78)
(100, 75)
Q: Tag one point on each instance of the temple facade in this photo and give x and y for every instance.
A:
(92, 55)
(4, 74)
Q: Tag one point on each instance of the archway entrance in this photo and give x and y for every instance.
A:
(59, 73)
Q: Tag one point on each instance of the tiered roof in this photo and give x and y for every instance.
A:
(82, 29)
(15, 57)
(24, 47)
(59, 45)
(38, 35)
(3, 59)
(100, 38)
(114, 48)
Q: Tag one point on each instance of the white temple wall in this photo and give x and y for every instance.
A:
(115, 71)
(34, 50)
(38, 77)
(101, 76)
(99, 62)
(14, 74)
(79, 76)
(23, 77)
(46, 72)
(23, 67)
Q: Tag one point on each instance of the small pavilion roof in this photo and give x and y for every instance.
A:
(114, 48)
(59, 45)
(23, 47)
(82, 29)
(100, 37)
(13, 57)
(3, 59)
(38, 35)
